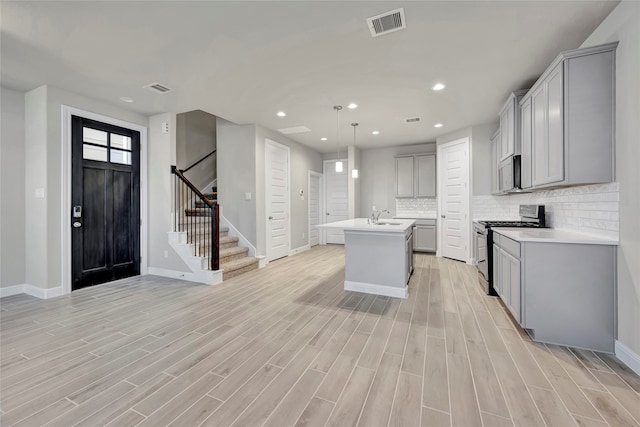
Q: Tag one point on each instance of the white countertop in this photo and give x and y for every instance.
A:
(551, 235)
(362, 224)
(426, 216)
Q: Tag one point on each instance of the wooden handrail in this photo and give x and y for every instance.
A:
(179, 174)
(199, 161)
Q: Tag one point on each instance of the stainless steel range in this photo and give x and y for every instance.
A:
(531, 216)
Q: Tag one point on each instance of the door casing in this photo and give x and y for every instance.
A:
(320, 203)
(65, 224)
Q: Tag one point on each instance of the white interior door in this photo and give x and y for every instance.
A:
(337, 200)
(314, 208)
(453, 167)
(277, 199)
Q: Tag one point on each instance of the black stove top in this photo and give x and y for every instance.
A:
(524, 224)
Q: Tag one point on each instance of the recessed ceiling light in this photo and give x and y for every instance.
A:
(281, 114)
(323, 139)
(352, 106)
(126, 99)
(437, 125)
(438, 86)
(375, 132)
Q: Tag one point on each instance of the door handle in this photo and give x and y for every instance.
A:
(443, 216)
(328, 213)
(77, 224)
(270, 217)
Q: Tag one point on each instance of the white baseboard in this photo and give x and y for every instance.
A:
(370, 288)
(7, 291)
(34, 291)
(628, 357)
(300, 249)
(262, 261)
(216, 276)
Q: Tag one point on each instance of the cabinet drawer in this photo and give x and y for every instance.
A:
(510, 246)
(426, 222)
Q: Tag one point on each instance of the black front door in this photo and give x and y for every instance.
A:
(105, 196)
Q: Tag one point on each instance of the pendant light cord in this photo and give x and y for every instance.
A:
(338, 108)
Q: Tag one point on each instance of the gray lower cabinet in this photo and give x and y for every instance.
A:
(424, 235)
(568, 117)
(561, 293)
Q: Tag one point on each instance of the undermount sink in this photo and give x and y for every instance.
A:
(387, 223)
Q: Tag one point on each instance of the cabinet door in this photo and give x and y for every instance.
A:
(555, 124)
(525, 166)
(424, 238)
(539, 166)
(495, 188)
(505, 277)
(506, 129)
(404, 176)
(496, 279)
(426, 175)
(513, 268)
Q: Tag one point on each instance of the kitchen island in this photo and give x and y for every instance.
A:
(378, 257)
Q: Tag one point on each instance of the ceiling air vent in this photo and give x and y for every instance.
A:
(412, 120)
(386, 23)
(157, 88)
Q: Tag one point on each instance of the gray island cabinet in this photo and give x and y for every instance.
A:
(559, 285)
(378, 257)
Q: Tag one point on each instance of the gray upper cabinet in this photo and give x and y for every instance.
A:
(510, 126)
(416, 176)
(425, 175)
(495, 161)
(404, 176)
(525, 139)
(571, 114)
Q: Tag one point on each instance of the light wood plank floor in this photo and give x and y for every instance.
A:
(286, 345)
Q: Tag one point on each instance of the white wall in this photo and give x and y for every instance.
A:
(481, 158)
(237, 176)
(378, 174)
(12, 184)
(43, 169)
(195, 138)
(623, 25)
(302, 160)
(162, 155)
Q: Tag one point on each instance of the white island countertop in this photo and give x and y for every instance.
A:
(363, 224)
(551, 235)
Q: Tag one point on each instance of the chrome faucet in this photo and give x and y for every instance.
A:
(375, 214)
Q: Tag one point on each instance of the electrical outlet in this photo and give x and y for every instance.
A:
(304, 235)
(166, 254)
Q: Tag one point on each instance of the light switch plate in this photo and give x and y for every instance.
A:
(39, 193)
(247, 196)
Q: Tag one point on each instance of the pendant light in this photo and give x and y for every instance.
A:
(354, 171)
(338, 162)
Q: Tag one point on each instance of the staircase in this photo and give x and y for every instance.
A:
(234, 259)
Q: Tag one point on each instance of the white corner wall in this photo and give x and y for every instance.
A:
(12, 184)
(623, 25)
(162, 155)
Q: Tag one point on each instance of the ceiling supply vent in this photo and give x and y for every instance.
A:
(386, 23)
(157, 88)
(412, 120)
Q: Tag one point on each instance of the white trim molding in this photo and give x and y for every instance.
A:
(628, 357)
(34, 291)
(8, 291)
(180, 275)
(65, 224)
(370, 288)
(299, 250)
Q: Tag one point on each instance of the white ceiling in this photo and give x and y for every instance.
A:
(245, 61)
